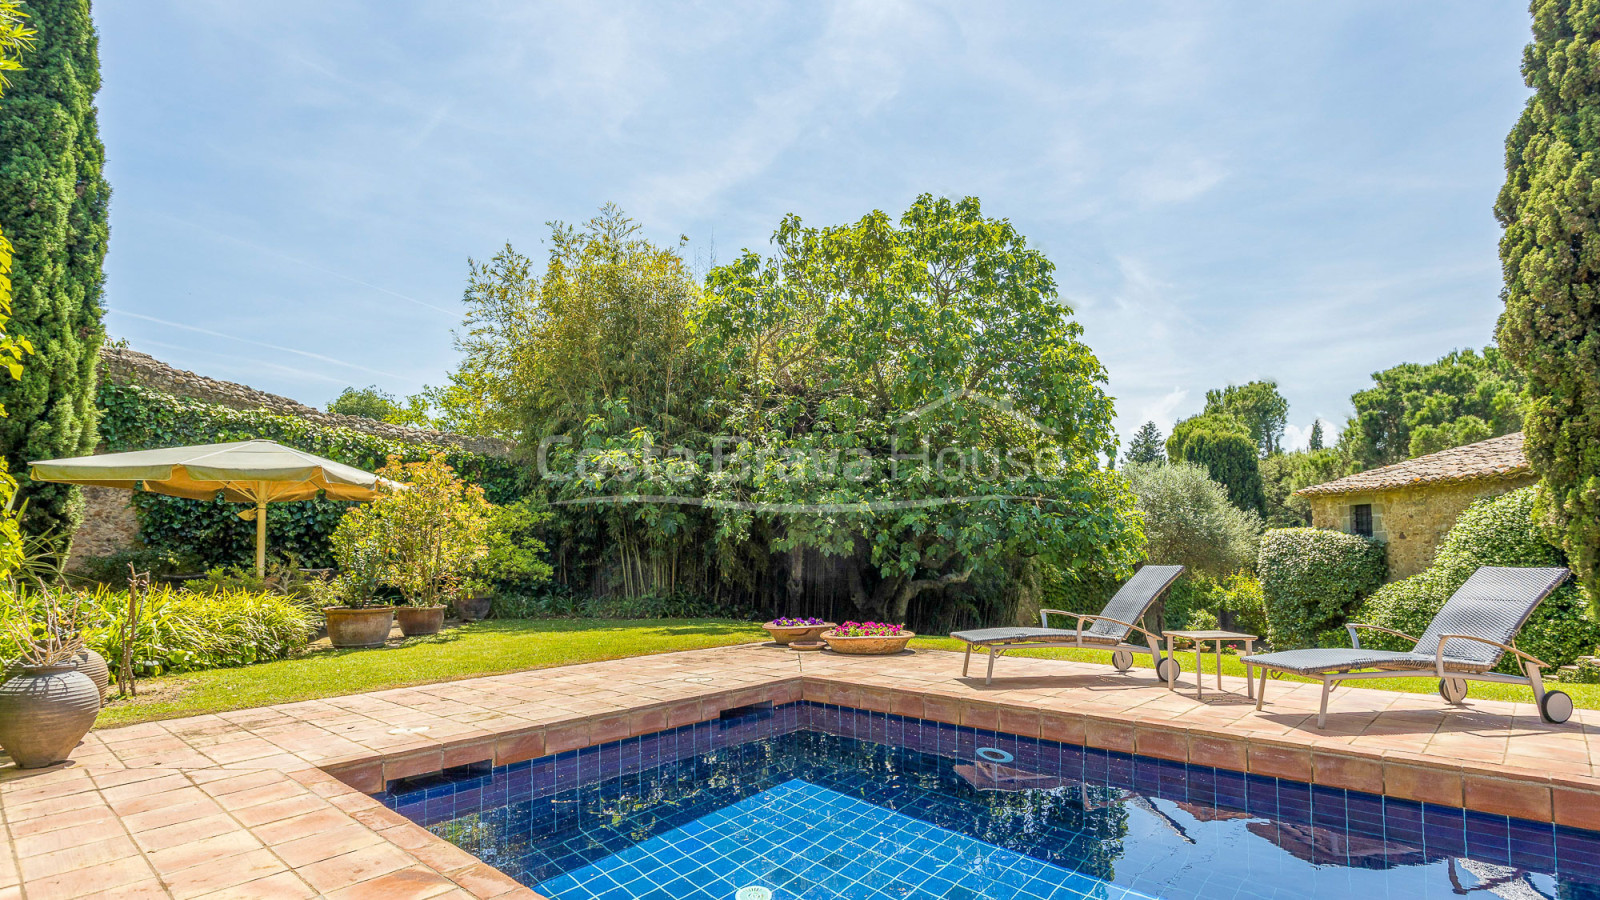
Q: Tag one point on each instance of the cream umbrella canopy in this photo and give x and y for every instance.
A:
(257, 472)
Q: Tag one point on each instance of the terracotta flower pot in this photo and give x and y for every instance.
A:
(44, 712)
(94, 665)
(359, 627)
(473, 609)
(415, 620)
(867, 646)
(785, 634)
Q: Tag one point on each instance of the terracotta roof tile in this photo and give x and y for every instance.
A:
(1499, 457)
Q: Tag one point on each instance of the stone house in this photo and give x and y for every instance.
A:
(1412, 504)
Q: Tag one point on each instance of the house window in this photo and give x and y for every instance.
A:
(1361, 519)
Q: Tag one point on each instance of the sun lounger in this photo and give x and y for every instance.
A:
(1464, 642)
(1109, 630)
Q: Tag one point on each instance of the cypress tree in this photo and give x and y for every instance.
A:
(1223, 445)
(1315, 441)
(53, 205)
(1550, 254)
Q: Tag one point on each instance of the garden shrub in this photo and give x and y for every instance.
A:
(1312, 579)
(112, 569)
(183, 631)
(1496, 531)
(1189, 521)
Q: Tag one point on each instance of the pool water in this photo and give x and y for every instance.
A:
(812, 801)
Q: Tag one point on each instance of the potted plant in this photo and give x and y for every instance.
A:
(867, 638)
(357, 616)
(48, 705)
(424, 539)
(788, 629)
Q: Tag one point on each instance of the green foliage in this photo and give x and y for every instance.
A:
(372, 403)
(113, 570)
(1427, 439)
(424, 539)
(1223, 445)
(938, 337)
(1188, 520)
(182, 631)
(514, 556)
(1314, 441)
(139, 418)
(1147, 446)
(1550, 254)
(606, 326)
(1285, 473)
(1416, 407)
(1311, 580)
(53, 206)
(1260, 408)
(1496, 531)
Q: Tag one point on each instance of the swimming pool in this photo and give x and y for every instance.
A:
(814, 801)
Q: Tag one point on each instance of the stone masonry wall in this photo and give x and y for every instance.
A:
(123, 365)
(1412, 521)
(110, 524)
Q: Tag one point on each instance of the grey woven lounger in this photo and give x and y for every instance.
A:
(1109, 631)
(1464, 642)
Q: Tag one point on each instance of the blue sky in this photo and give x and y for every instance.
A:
(1300, 191)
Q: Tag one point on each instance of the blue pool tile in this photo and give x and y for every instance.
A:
(699, 811)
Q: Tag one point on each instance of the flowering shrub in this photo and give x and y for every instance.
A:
(796, 623)
(869, 629)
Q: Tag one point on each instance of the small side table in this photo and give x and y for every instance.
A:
(1216, 638)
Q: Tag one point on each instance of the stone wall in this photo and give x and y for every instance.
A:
(123, 365)
(110, 524)
(1413, 520)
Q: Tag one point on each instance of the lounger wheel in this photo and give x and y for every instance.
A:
(1122, 659)
(1168, 669)
(1556, 707)
(1453, 690)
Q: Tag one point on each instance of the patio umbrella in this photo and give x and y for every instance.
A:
(257, 472)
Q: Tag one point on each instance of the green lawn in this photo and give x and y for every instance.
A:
(1584, 696)
(484, 648)
(487, 648)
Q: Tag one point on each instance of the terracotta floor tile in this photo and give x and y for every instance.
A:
(183, 832)
(282, 886)
(355, 867)
(221, 874)
(101, 880)
(203, 850)
(413, 883)
(78, 856)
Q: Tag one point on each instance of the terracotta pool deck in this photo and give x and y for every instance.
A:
(273, 802)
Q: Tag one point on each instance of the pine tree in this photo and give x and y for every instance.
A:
(1147, 446)
(1550, 254)
(53, 204)
(1315, 441)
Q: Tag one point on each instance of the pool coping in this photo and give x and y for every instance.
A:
(1572, 801)
(346, 781)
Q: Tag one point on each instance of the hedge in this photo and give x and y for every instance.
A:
(1497, 531)
(134, 417)
(1312, 579)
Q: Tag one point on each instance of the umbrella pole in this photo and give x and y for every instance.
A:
(261, 530)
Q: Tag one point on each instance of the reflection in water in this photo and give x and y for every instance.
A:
(1160, 828)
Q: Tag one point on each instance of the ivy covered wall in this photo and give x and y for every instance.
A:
(136, 417)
